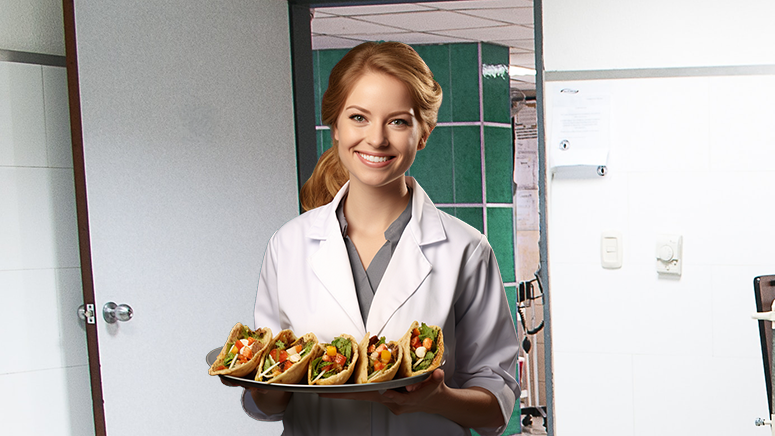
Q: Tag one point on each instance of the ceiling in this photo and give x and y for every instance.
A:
(503, 22)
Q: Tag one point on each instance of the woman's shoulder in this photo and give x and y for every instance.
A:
(459, 232)
(302, 225)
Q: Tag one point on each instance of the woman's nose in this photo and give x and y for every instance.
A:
(376, 136)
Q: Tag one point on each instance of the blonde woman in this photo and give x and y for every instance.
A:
(373, 254)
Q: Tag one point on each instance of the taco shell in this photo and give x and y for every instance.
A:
(344, 375)
(241, 370)
(383, 375)
(295, 373)
(406, 369)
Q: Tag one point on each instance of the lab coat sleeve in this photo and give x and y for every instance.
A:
(487, 344)
(266, 314)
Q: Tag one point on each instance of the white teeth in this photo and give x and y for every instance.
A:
(374, 159)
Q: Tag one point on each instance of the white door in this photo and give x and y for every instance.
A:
(190, 166)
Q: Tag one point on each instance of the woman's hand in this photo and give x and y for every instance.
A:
(470, 407)
(269, 402)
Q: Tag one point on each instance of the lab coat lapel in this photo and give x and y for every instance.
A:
(408, 267)
(331, 263)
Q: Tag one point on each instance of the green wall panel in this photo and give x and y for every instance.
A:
(437, 59)
(464, 92)
(496, 100)
(473, 216)
(499, 164)
(467, 149)
(433, 166)
(500, 233)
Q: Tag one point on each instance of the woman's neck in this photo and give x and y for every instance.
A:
(373, 209)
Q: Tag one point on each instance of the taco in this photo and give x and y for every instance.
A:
(379, 360)
(423, 349)
(285, 358)
(242, 351)
(333, 363)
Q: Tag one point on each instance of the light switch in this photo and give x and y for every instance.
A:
(669, 252)
(611, 250)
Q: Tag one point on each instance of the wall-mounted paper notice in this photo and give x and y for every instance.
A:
(526, 169)
(579, 140)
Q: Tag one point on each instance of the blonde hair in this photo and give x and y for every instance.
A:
(393, 58)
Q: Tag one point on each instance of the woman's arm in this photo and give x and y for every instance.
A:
(473, 407)
(270, 402)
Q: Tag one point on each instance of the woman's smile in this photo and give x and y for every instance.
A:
(374, 159)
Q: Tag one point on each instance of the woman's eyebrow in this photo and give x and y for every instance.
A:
(358, 108)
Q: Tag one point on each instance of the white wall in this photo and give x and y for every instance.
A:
(34, 26)
(610, 34)
(43, 360)
(635, 354)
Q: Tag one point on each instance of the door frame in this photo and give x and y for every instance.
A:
(82, 213)
(306, 141)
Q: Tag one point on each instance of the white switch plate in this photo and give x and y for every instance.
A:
(611, 249)
(669, 254)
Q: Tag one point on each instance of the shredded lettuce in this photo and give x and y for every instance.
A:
(228, 359)
(427, 332)
(280, 344)
(344, 346)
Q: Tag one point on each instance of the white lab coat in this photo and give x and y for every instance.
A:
(443, 272)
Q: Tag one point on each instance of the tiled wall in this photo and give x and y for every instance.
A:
(467, 166)
(43, 361)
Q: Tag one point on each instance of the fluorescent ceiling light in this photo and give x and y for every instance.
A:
(519, 71)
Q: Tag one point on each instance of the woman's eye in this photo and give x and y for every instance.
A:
(357, 117)
(400, 122)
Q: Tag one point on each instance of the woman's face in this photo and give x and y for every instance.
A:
(378, 131)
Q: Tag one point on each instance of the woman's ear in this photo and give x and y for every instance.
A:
(423, 140)
(334, 133)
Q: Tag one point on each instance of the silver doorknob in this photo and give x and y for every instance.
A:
(112, 312)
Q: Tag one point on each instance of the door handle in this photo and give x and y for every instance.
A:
(112, 312)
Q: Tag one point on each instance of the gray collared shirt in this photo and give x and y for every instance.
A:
(367, 281)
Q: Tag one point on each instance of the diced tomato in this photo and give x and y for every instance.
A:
(416, 332)
(326, 368)
(340, 359)
(286, 365)
(239, 345)
(427, 343)
(415, 342)
(278, 355)
(378, 365)
(251, 340)
(326, 358)
(242, 358)
(218, 368)
(247, 352)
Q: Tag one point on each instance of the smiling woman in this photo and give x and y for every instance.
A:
(374, 254)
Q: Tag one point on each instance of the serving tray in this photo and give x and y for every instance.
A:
(316, 389)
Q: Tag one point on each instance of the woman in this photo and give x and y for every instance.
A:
(373, 254)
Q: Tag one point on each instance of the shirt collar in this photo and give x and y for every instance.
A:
(393, 231)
